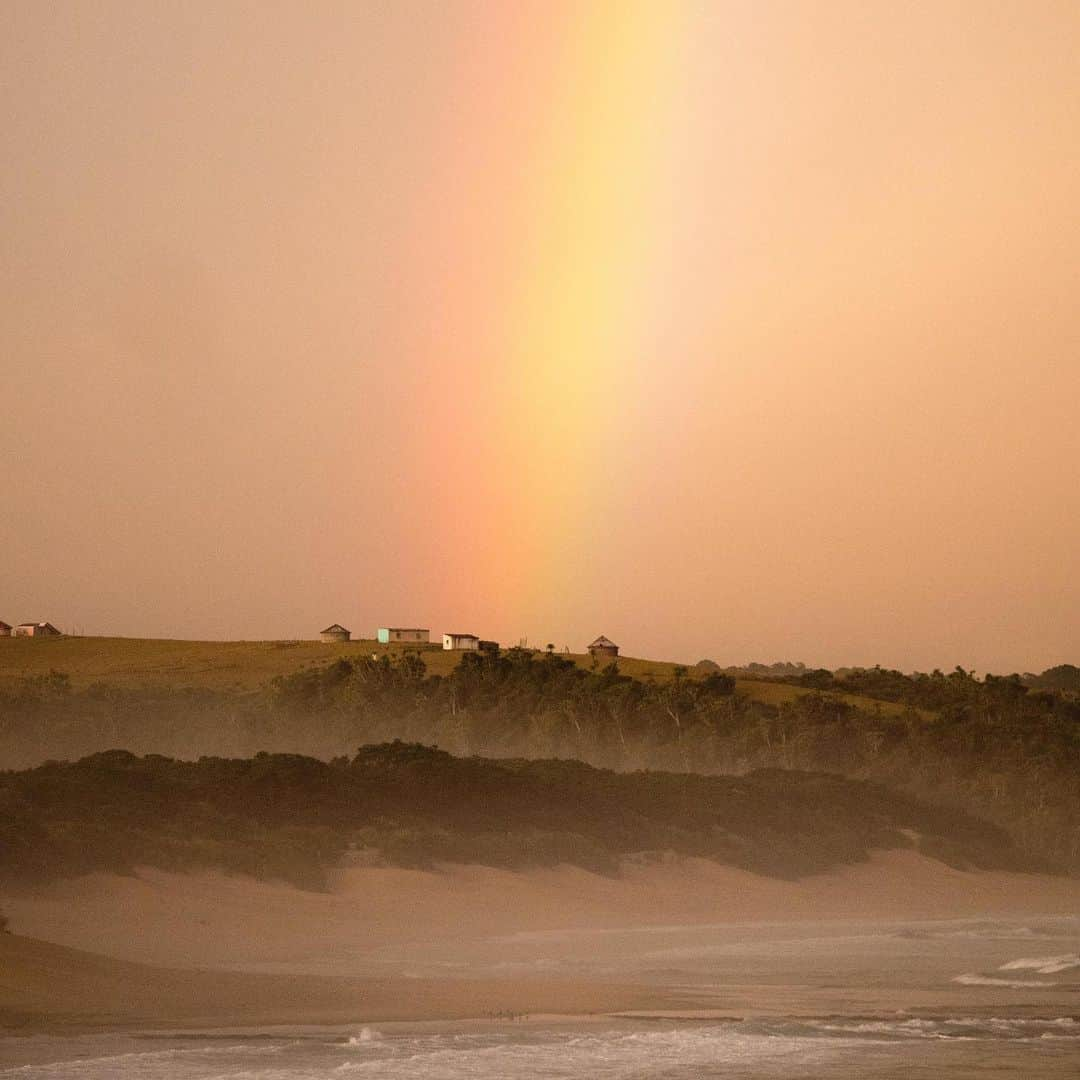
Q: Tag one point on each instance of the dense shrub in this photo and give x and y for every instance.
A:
(291, 817)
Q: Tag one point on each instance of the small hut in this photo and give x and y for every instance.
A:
(5, 629)
(337, 632)
(603, 646)
(458, 642)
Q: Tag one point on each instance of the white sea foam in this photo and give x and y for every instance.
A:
(364, 1037)
(1043, 965)
(608, 1055)
(830, 1049)
(972, 979)
(143, 1063)
(965, 1028)
(981, 932)
(918, 1029)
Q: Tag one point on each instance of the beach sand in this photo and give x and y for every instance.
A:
(212, 920)
(47, 987)
(676, 936)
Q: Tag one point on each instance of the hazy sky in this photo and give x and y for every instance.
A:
(745, 330)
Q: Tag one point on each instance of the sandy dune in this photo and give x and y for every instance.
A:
(215, 921)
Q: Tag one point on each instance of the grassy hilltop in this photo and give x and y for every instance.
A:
(238, 666)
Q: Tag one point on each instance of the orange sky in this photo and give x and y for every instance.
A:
(745, 330)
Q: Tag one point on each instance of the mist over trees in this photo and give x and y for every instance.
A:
(295, 818)
(997, 747)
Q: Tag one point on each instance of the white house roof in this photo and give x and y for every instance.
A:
(406, 629)
(473, 636)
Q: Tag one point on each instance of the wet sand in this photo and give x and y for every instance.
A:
(50, 987)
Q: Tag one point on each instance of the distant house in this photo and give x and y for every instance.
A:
(337, 632)
(5, 629)
(36, 629)
(602, 646)
(461, 641)
(394, 635)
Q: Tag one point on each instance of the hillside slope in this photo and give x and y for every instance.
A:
(245, 666)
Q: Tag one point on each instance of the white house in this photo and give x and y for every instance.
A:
(36, 629)
(460, 641)
(394, 635)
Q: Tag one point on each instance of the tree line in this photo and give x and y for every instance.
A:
(997, 746)
(298, 818)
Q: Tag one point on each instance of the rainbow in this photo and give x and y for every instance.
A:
(590, 221)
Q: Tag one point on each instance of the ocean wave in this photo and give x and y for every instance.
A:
(965, 1028)
(914, 1028)
(138, 1062)
(607, 1054)
(982, 932)
(364, 1037)
(763, 1047)
(1043, 965)
(973, 979)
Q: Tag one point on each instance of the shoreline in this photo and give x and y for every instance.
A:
(681, 941)
(47, 988)
(51, 990)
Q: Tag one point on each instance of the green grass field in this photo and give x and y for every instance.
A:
(247, 665)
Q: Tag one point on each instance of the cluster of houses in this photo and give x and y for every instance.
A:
(385, 635)
(28, 629)
(410, 635)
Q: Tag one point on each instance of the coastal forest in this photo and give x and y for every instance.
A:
(1000, 750)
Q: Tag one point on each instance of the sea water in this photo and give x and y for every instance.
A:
(953, 1047)
(850, 999)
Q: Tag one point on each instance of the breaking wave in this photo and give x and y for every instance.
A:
(972, 979)
(364, 1037)
(963, 1028)
(1038, 965)
(1043, 965)
(826, 1048)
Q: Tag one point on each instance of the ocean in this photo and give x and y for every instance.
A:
(849, 999)
(953, 1047)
